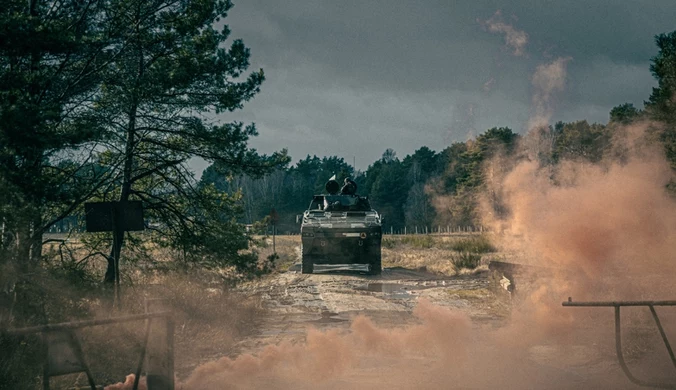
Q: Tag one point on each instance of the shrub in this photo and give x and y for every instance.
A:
(479, 244)
(419, 241)
(389, 243)
(466, 260)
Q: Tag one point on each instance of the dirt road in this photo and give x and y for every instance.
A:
(406, 329)
(333, 296)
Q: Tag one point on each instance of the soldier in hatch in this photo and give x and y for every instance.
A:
(349, 187)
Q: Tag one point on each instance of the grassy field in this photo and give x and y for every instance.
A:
(446, 255)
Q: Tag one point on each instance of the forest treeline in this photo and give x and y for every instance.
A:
(429, 188)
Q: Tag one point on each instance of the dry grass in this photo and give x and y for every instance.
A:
(446, 255)
(287, 248)
(209, 319)
(479, 294)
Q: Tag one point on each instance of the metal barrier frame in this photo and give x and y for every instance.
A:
(69, 327)
(618, 334)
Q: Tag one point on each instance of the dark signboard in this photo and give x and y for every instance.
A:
(274, 217)
(99, 216)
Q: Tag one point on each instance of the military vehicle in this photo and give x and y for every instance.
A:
(340, 227)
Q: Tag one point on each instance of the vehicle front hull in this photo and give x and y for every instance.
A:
(341, 245)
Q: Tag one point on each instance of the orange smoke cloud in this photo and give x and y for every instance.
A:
(328, 358)
(514, 39)
(593, 217)
(128, 384)
(547, 79)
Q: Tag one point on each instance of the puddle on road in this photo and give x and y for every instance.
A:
(328, 317)
(393, 290)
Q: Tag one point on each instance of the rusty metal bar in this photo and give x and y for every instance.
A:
(84, 324)
(618, 303)
(170, 351)
(75, 342)
(137, 378)
(45, 370)
(618, 333)
(664, 335)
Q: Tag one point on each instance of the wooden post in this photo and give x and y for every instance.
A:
(160, 351)
(117, 248)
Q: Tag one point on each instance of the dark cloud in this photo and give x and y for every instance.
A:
(355, 77)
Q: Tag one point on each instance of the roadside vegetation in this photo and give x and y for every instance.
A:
(448, 255)
(209, 318)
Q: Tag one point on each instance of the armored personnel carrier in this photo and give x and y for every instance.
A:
(340, 227)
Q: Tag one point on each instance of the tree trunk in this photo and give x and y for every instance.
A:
(118, 233)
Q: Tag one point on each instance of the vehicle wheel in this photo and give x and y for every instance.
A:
(375, 266)
(307, 266)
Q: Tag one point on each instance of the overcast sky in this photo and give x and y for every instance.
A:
(352, 78)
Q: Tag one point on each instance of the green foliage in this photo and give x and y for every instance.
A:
(451, 168)
(580, 140)
(50, 59)
(389, 242)
(421, 241)
(466, 260)
(401, 190)
(471, 161)
(475, 244)
(662, 102)
(287, 190)
(389, 189)
(171, 71)
(625, 113)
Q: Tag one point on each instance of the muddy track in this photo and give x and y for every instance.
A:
(333, 296)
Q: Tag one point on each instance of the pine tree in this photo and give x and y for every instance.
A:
(171, 77)
(51, 55)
